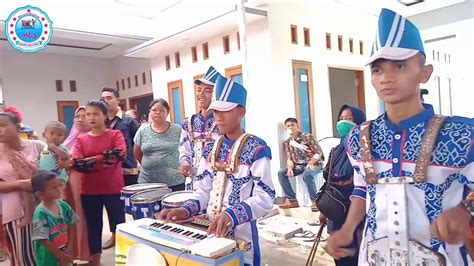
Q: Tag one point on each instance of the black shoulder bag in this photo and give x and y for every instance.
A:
(330, 200)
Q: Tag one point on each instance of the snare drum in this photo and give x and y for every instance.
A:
(129, 191)
(176, 199)
(147, 203)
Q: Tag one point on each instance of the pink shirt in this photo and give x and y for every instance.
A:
(12, 208)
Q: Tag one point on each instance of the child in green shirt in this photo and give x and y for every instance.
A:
(52, 221)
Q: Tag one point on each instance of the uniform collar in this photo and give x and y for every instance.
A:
(412, 121)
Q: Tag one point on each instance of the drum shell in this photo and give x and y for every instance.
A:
(128, 191)
(167, 204)
(142, 208)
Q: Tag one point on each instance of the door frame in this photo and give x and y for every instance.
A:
(360, 84)
(171, 85)
(132, 101)
(308, 65)
(61, 104)
(231, 71)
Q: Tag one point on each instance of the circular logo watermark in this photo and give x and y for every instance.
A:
(28, 29)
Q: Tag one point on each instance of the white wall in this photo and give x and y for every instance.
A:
(29, 82)
(187, 70)
(127, 67)
(460, 70)
(320, 19)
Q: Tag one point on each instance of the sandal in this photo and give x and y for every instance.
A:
(303, 234)
(314, 223)
(322, 239)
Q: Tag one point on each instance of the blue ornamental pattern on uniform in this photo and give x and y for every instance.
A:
(371, 222)
(354, 146)
(449, 162)
(208, 149)
(413, 142)
(270, 192)
(204, 175)
(250, 150)
(453, 146)
(242, 212)
(237, 184)
(381, 138)
(433, 197)
(192, 206)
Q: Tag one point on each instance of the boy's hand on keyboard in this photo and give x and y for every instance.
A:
(221, 225)
(175, 214)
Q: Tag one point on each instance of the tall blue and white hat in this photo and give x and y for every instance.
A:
(229, 94)
(396, 38)
(209, 78)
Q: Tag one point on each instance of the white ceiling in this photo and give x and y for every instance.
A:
(110, 28)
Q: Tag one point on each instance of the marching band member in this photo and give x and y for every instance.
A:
(233, 181)
(412, 196)
(200, 127)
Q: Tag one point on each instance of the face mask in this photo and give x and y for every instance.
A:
(344, 127)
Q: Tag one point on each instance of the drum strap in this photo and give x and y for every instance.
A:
(398, 248)
(220, 180)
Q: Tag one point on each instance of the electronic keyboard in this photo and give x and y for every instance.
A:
(178, 236)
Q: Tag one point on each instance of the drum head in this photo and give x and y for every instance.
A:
(140, 187)
(177, 197)
(150, 195)
(140, 254)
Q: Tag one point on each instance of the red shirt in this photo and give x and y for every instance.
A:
(104, 180)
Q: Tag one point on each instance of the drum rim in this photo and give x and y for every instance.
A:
(163, 185)
(174, 193)
(147, 200)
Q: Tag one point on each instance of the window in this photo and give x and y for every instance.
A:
(449, 58)
(72, 86)
(294, 34)
(226, 44)
(205, 51)
(117, 85)
(194, 54)
(143, 78)
(177, 61)
(238, 41)
(361, 47)
(123, 84)
(445, 58)
(129, 84)
(136, 80)
(151, 77)
(437, 56)
(434, 56)
(59, 85)
(175, 96)
(328, 41)
(307, 41)
(351, 45)
(339, 43)
(167, 62)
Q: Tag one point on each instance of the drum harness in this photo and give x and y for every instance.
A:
(396, 248)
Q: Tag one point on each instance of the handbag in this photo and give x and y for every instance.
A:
(330, 200)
